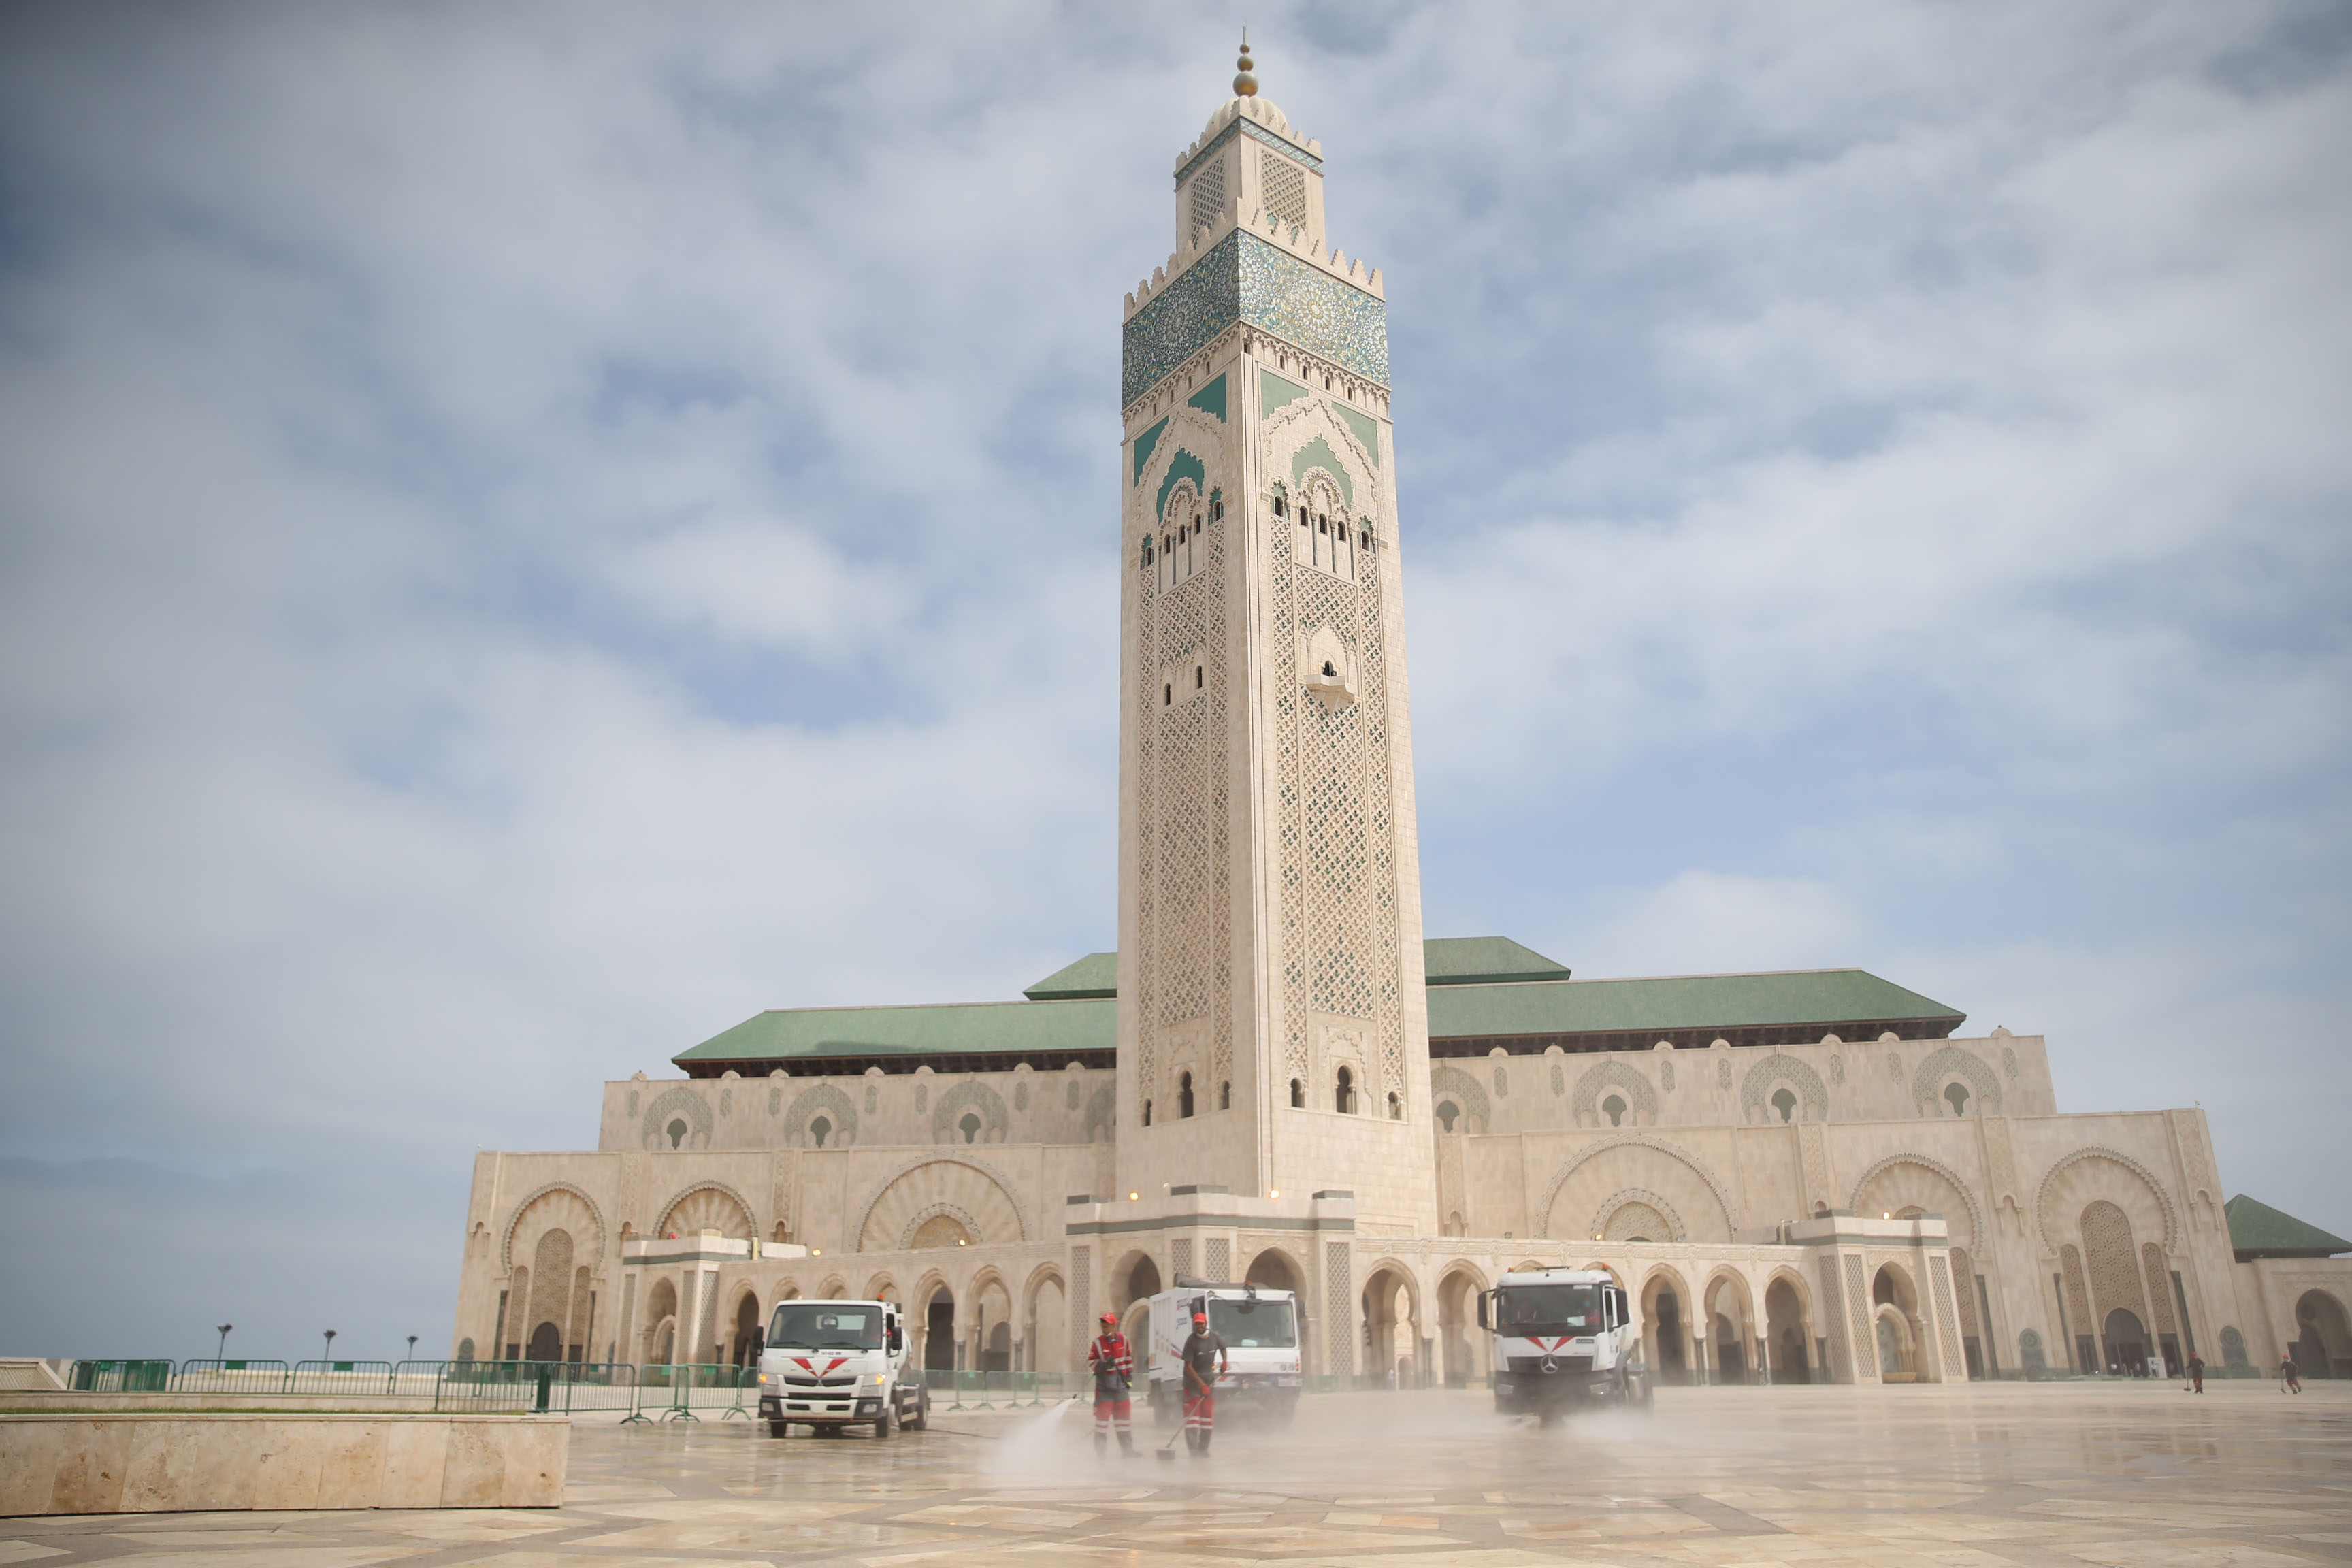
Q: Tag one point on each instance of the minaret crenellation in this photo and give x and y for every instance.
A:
(1273, 1027)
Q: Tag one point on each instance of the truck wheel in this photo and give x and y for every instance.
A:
(779, 1429)
(920, 1420)
(887, 1425)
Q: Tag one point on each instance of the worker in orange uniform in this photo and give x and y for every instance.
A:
(1113, 1364)
(1204, 1362)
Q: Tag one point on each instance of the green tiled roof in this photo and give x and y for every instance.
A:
(2258, 1230)
(1095, 974)
(959, 1029)
(1482, 960)
(1674, 1002)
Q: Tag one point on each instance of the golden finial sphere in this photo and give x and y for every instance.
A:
(1246, 85)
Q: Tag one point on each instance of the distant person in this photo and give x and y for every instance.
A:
(2196, 1373)
(1113, 1364)
(2290, 1376)
(1204, 1362)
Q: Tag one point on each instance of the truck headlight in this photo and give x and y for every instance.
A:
(880, 1378)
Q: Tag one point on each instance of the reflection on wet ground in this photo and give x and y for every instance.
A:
(2041, 1475)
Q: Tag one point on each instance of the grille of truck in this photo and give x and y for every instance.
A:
(1532, 1366)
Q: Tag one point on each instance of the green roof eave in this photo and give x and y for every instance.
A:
(1671, 1002)
(1485, 961)
(2258, 1230)
(959, 1029)
(1095, 975)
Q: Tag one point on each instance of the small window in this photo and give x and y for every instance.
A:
(677, 1131)
(1225, 1095)
(1957, 1093)
(1614, 1108)
(1784, 1101)
(1343, 1095)
(1322, 523)
(1147, 1113)
(970, 1127)
(1167, 696)
(1280, 509)
(1298, 1095)
(1184, 1095)
(1396, 1107)
(1216, 506)
(1446, 1111)
(819, 1131)
(1199, 675)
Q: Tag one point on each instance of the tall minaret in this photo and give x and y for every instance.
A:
(1273, 1031)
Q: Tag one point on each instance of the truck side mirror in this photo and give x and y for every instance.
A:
(898, 1339)
(1482, 1309)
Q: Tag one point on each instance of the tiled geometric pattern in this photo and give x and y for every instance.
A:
(1858, 1320)
(1238, 126)
(1939, 1270)
(2113, 1262)
(2159, 1288)
(1285, 190)
(1245, 277)
(2080, 1319)
(1340, 1307)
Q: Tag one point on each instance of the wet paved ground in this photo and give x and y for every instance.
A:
(2053, 1476)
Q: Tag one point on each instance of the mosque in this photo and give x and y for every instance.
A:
(1808, 1177)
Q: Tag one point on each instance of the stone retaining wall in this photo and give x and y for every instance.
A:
(140, 1463)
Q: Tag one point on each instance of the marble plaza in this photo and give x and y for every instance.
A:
(2042, 1475)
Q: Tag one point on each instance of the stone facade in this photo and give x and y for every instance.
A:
(1894, 1208)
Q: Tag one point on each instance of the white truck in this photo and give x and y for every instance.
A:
(834, 1365)
(1563, 1339)
(1260, 1328)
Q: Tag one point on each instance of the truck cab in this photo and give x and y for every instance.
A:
(1260, 1328)
(833, 1365)
(1564, 1338)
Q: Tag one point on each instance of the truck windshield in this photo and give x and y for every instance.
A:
(1259, 1322)
(822, 1327)
(1525, 1310)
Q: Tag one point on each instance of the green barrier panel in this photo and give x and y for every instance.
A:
(340, 1377)
(213, 1376)
(121, 1376)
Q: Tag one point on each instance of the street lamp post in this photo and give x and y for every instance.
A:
(223, 1354)
(412, 1347)
(331, 1350)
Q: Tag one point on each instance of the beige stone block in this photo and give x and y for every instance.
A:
(473, 1470)
(414, 1452)
(29, 1452)
(351, 1468)
(537, 1457)
(177, 1465)
(286, 1470)
(90, 1468)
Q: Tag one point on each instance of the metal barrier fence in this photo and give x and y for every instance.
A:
(231, 1377)
(121, 1376)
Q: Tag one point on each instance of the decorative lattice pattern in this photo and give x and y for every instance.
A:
(1179, 1255)
(2114, 1260)
(1218, 1262)
(1207, 195)
(1285, 190)
(1966, 1271)
(1339, 1306)
(1082, 1302)
(1832, 1310)
(1857, 1317)
(1939, 1270)
(2078, 1301)
(1184, 963)
(2159, 1295)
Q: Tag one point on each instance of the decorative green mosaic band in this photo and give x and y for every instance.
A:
(1242, 127)
(1243, 278)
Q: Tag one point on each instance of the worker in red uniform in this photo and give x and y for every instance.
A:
(1204, 1362)
(1113, 1366)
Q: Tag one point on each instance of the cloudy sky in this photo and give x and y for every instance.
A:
(528, 534)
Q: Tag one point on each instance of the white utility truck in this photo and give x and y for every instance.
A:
(1563, 1339)
(1260, 1328)
(831, 1365)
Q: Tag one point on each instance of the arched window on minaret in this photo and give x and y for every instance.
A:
(1225, 1095)
(1344, 1095)
(1396, 1107)
(1147, 1113)
(1298, 1095)
(1184, 1095)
